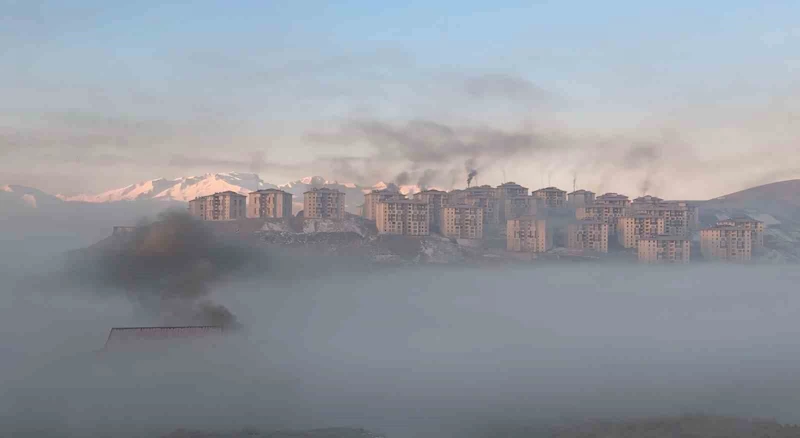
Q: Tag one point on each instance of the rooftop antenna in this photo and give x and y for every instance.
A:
(574, 181)
(504, 175)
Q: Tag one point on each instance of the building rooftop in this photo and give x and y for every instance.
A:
(321, 189)
(431, 191)
(648, 198)
(581, 192)
(270, 191)
(511, 184)
(612, 195)
(550, 189)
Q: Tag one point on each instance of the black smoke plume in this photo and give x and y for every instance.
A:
(168, 267)
(402, 179)
(426, 179)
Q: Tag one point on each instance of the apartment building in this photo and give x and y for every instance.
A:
(483, 197)
(664, 249)
(614, 199)
(602, 211)
(323, 203)
(437, 199)
(588, 235)
(580, 198)
(630, 229)
(373, 198)
(527, 234)
(269, 203)
(406, 217)
(511, 189)
(756, 229)
(552, 197)
(518, 206)
(462, 221)
(222, 206)
(726, 243)
(680, 217)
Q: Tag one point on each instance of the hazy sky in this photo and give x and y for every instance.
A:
(681, 99)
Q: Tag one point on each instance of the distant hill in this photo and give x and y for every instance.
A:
(784, 191)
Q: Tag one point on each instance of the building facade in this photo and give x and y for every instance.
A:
(726, 243)
(518, 206)
(614, 199)
(680, 218)
(406, 217)
(580, 198)
(527, 234)
(605, 212)
(436, 199)
(552, 197)
(664, 249)
(462, 221)
(323, 203)
(632, 228)
(222, 206)
(511, 189)
(373, 198)
(270, 203)
(588, 235)
(756, 229)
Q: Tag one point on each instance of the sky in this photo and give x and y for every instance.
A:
(678, 99)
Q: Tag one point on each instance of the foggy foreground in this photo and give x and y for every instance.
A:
(409, 352)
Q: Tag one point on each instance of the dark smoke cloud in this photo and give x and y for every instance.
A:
(402, 179)
(647, 157)
(423, 144)
(426, 179)
(168, 267)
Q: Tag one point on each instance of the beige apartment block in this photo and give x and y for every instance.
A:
(510, 190)
(269, 203)
(603, 212)
(373, 198)
(518, 206)
(483, 197)
(664, 249)
(406, 217)
(638, 226)
(726, 243)
(527, 234)
(552, 197)
(614, 199)
(588, 235)
(437, 199)
(462, 221)
(323, 203)
(756, 228)
(580, 198)
(222, 206)
(680, 217)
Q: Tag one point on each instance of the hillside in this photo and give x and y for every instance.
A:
(783, 191)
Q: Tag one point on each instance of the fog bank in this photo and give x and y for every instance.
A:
(414, 351)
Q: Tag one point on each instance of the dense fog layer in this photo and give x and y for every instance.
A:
(410, 351)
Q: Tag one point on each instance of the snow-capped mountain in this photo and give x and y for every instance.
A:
(404, 189)
(26, 197)
(187, 188)
(178, 189)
